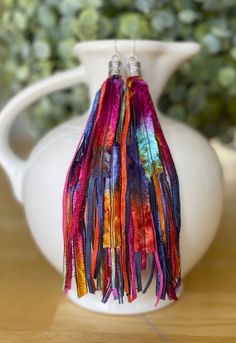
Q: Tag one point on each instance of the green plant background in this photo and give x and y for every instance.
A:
(36, 39)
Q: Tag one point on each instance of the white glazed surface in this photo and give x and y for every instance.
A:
(42, 176)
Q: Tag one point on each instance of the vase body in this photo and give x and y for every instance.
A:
(43, 176)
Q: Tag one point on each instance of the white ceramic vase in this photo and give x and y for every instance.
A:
(38, 182)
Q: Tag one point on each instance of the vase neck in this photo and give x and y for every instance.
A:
(158, 61)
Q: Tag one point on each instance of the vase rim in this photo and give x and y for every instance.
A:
(127, 46)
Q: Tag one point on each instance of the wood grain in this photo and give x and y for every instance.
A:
(33, 309)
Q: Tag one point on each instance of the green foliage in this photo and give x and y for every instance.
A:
(36, 39)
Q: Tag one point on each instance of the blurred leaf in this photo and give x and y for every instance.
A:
(121, 3)
(68, 7)
(65, 47)
(93, 3)
(41, 49)
(162, 20)
(217, 5)
(46, 17)
(212, 43)
(105, 27)
(177, 93)
(233, 53)
(87, 24)
(177, 111)
(188, 16)
(134, 26)
(227, 76)
(145, 6)
(19, 20)
(22, 73)
(220, 28)
(196, 98)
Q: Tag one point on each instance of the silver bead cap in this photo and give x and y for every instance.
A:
(134, 67)
(114, 65)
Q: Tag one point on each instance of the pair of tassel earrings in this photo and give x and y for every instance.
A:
(121, 206)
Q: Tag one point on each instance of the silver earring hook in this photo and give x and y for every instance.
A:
(115, 63)
(116, 55)
(134, 66)
(116, 48)
(134, 49)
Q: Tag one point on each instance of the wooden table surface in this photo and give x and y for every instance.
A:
(33, 308)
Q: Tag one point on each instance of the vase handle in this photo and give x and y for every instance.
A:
(12, 164)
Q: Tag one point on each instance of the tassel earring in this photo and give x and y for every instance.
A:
(91, 198)
(152, 207)
(121, 206)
